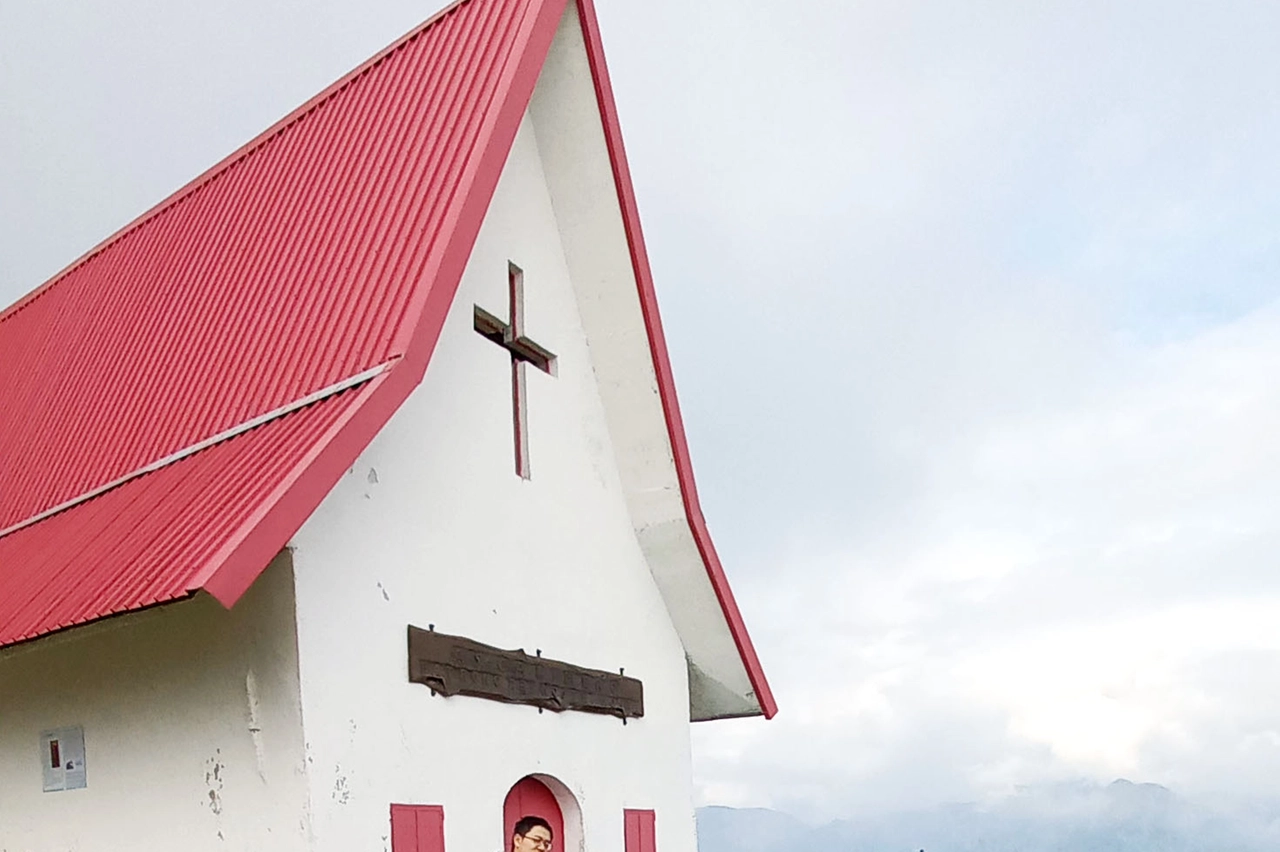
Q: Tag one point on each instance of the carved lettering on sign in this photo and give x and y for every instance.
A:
(455, 665)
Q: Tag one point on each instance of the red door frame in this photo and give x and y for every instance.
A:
(530, 797)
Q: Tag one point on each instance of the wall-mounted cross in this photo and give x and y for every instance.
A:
(510, 336)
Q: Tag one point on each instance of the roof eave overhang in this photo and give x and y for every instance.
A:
(662, 366)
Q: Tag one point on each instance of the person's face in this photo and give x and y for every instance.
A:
(537, 840)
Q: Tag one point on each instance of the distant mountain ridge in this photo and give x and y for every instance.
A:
(1073, 817)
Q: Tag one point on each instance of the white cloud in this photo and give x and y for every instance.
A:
(1051, 605)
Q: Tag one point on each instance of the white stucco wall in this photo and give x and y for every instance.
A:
(432, 526)
(164, 699)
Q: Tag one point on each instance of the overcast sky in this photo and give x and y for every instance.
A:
(973, 314)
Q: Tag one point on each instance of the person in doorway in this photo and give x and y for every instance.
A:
(531, 834)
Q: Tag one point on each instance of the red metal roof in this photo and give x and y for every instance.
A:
(324, 252)
(151, 540)
(287, 268)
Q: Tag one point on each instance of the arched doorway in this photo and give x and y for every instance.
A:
(530, 797)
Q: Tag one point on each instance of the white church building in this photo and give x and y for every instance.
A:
(345, 504)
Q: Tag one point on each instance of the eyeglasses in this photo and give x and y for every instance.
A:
(539, 842)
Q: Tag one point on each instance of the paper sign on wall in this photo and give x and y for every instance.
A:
(62, 756)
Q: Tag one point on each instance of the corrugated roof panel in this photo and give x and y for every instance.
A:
(147, 541)
(285, 269)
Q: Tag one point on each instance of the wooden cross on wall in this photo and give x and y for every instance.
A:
(510, 336)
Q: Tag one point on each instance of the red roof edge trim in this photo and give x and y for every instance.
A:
(477, 185)
(662, 361)
(233, 569)
(108, 618)
(235, 157)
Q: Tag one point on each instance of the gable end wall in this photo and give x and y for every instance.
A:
(432, 526)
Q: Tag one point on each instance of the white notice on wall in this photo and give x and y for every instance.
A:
(62, 756)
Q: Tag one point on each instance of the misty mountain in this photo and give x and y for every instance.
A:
(1074, 817)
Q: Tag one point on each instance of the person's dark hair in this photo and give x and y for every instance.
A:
(527, 824)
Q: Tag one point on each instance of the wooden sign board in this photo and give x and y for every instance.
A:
(455, 665)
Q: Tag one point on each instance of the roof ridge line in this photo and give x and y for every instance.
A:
(230, 161)
(225, 435)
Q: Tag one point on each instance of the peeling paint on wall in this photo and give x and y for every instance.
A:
(213, 769)
(341, 789)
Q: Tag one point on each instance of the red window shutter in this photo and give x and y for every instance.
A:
(638, 827)
(417, 828)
